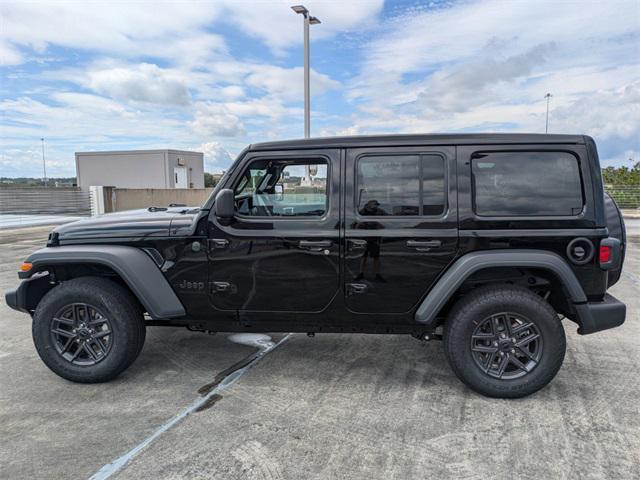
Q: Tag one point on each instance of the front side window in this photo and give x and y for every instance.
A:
(526, 184)
(401, 185)
(283, 188)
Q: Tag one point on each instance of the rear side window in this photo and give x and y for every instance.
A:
(401, 185)
(508, 184)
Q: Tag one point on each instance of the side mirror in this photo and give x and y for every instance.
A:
(225, 204)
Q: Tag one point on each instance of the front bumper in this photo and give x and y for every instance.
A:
(597, 316)
(26, 296)
(16, 298)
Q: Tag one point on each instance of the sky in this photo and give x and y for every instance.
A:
(216, 76)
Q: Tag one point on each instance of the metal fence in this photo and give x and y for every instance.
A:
(44, 201)
(626, 196)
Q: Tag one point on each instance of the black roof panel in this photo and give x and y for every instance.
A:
(420, 139)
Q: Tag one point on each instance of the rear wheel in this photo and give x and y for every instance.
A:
(88, 329)
(504, 341)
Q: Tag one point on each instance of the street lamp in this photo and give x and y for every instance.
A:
(546, 125)
(308, 20)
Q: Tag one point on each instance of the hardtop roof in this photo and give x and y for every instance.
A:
(421, 139)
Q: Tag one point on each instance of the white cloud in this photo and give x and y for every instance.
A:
(287, 83)
(232, 92)
(477, 82)
(169, 29)
(487, 65)
(216, 157)
(215, 120)
(160, 29)
(280, 28)
(604, 114)
(27, 162)
(141, 83)
(8, 54)
(162, 74)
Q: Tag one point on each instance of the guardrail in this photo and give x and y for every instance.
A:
(44, 201)
(626, 196)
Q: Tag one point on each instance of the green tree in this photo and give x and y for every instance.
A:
(209, 180)
(622, 175)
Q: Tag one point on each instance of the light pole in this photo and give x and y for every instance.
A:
(546, 124)
(44, 164)
(308, 20)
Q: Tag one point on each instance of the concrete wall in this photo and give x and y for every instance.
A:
(138, 168)
(119, 199)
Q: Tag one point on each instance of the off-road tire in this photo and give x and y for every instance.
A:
(484, 302)
(116, 302)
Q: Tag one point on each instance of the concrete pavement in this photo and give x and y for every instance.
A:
(632, 226)
(333, 406)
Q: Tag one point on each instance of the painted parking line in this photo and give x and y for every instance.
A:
(264, 345)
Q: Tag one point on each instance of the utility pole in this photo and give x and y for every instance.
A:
(44, 165)
(546, 125)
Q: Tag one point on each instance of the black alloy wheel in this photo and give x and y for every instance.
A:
(506, 345)
(82, 334)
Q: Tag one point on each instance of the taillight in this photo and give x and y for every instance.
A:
(605, 254)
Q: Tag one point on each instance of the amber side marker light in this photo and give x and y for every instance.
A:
(26, 266)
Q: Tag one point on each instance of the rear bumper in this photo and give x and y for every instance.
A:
(596, 316)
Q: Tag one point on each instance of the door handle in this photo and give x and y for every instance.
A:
(356, 244)
(221, 286)
(355, 288)
(218, 243)
(315, 245)
(423, 245)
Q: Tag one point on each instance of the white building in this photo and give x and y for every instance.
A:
(161, 169)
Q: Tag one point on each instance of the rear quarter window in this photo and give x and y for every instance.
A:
(509, 184)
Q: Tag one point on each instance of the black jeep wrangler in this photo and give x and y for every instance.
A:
(485, 241)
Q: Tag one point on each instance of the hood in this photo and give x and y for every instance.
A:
(149, 222)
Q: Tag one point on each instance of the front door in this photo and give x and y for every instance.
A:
(400, 225)
(281, 252)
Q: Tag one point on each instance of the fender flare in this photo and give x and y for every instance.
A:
(470, 263)
(135, 267)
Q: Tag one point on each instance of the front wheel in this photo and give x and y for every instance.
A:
(88, 329)
(504, 341)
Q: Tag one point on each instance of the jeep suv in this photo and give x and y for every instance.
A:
(484, 241)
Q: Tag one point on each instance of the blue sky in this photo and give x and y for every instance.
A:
(215, 76)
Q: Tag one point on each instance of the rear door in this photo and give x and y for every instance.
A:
(400, 225)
